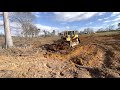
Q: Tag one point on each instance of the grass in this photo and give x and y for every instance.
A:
(109, 33)
(113, 32)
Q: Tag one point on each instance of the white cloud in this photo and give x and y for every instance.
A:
(37, 14)
(97, 27)
(107, 21)
(115, 13)
(100, 19)
(47, 28)
(1, 22)
(116, 19)
(115, 24)
(107, 18)
(15, 28)
(105, 24)
(118, 16)
(15, 25)
(63, 23)
(12, 24)
(67, 27)
(102, 13)
(91, 23)
(44, 12)
(75, 16)
(75, 27)
(1, 13)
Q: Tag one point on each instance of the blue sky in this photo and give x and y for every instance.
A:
(60, 21)
(77, 20)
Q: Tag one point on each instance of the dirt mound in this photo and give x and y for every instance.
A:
(60, 46)
(88, 55)
(98, 54)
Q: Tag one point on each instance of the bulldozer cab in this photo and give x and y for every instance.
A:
(71, 33)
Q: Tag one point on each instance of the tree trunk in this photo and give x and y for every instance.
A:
(8, 37)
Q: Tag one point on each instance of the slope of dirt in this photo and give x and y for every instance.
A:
(36, 66)
(29, 61)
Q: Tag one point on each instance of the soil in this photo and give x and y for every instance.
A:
(95, 57)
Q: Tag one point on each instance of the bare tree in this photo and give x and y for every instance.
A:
(106, 29)
(111, 27)
(37, 31)
(22, 17)
(100, 30)
(25, 20)
(53, 32)
(45, 33)
(30, 30)
(8, 37)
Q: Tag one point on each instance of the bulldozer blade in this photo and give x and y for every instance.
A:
(72, 44)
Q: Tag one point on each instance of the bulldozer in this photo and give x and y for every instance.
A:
(68, 41)
(71, 37)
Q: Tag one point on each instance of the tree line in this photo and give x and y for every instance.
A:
(107, 29)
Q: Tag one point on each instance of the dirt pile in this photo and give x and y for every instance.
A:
(88, 55)
(100, 55)
(60, 46)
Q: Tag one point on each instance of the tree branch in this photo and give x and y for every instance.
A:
(1, 25)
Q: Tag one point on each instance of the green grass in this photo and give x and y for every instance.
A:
(115, 32)
(108, 33)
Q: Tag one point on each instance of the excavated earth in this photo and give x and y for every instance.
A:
(95, 57)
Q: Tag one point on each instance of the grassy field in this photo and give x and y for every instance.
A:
(103, 33)
(109, 33)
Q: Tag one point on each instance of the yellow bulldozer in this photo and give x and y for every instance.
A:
(72, 37)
